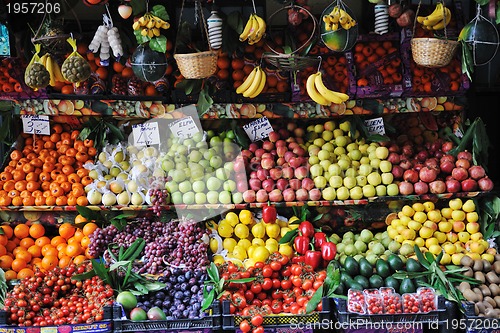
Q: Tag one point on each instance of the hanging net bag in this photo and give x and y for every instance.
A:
(338, 28)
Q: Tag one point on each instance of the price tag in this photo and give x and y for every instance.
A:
(146, 134)
(184, 128)
(36, 124)
(258, 129)
(375, 126)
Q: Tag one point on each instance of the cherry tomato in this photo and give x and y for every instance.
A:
(267, 301)
(307, 284)
(286, 284)
(276, 283)
(286, 272)
(259, 329)
(296, 269)
(297, 281)
(275, 266)
(256, 287)
(267, 271)
(249, 296)
(267, 284)
(277, 306)
(294, 308)
(245, 326)
(259, 265)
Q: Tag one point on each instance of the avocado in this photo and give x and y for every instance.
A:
(395, 262)
(392, 283)
(407, 286)
(382, 267)
(356, 286)
(341, 290)
(351, 266)
(376, 281)
(363, 281)
(413, 266)
(365, 268)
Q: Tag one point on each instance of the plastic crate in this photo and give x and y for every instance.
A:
(105, 326)
(471, 323)
(344, 316)
(231, 322)
(212, 322)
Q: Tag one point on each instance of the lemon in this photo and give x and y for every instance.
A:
(273, 230)
(241, 231)
(419, 217)
(446, 259)
(214, 245)
(428, 206)
(292, 219)
(446, 212)
(418, 207)
(249, 263)
(272, 245)
(293, 226)
(284, 230)
(232, 218)
(472, 217)
(225, 229)
(229, 244)
(455, 204)
(469, 206)
(258, 241)
(260, 254)
(489, 257)
(218, 259)
(239, 252)
(282, 223)
(286, 250)
(408, 211)
(435, 249)
(245, 243)
(456, 258)
(245, 216)
(250, 250)
(258, 230)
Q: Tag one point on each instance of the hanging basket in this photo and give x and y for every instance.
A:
(198, 65)
(340, 40)
(293, 61)
(432, 52)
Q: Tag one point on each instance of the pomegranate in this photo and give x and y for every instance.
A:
(438, 154)
(446, 167)
(449, 158)
(469, 185)
(407, 150)
(477, 172)
(417, 166)
(465, 155)
(405, 164)
(485, 184)
(410, 175)
(462, 163)
(422, 155)
(447, 146)
(437, 187)
(427, 174)
(394, 158)
(459, 174)
(420, 187)
(394, 148)
(397, 171)
(453, 186)
(405, 188)
(431, 163)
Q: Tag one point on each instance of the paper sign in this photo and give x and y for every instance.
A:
(375, 126)
(36, 124)
(146, 134)
(184, 128)
(258, 129)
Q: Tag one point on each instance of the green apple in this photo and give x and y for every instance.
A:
(342, 193)
(178, 176)
(327, 135)
(213, 197)
(229, 185)
(361, 180)
(349, 182)
(313, 160)
(320, 182)
(167, 164)
(195, 156)
(366, 236)
(345, 126)
(323, 155)
(392, 189)
(328, 147)
(385, 166)
(185, 186)
(336, 181)
(360, 246)
(177, 198)
(356, 193)
(213, 183)
(328, 193)
(375, 163)
(199, 186)
(225, 197)
(382, 152)
(325, 164)
(337, 132)
(316, 170)
(365, 169)
(339, 151)
(387, 178)
(222, 173)
(344, 164)
(216, 162)
(172, 186)
(369, 191)
(200, 198)
(335, 169)
(351, 172)
(341, 141)
(355, 155)
(381, 190)
(237, 197)
(374, 178)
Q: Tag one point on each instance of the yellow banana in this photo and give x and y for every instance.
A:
(144, 32)
(136, 25)
(57, 71)
(43, 60)
(246, 84)
(142, 21)
(335, 26)
(435, 17)
(324, 91)
(150, 33)
(248, 27)
(50, 68)
(313, 92)
(255, 84)
(156, 32)
(261, 29)
(165, 25)
(151, 24)
(261, 85)
(443, 22)
(420, 19)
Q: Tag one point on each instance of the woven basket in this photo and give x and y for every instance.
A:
(197, 65)
(433, 52)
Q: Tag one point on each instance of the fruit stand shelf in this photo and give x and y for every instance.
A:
(313, 203)
(303, 110)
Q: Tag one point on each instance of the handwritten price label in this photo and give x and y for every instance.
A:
(36, 124)
(184, 128)
(146, 134)
(375, 126)
(258, 129)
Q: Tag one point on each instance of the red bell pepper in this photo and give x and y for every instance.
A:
(328, 251)
(319, 239)
(306, 228)
(301, 244)
(269, 214)
(313, 258)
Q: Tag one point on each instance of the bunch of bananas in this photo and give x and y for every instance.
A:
(319, 93)
(253, 84)
(338, 18)
(53, 68)
(254, 29)
(437, 20)
(150, 25)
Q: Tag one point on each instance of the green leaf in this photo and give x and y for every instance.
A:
(430, 257)
(154, 286)
(421, 258)
(88, 213)
(134, 250)
(84, 276)
(439, 257)
(141, 288)
(116, 131)
(315, 300)
(205, 102)
(220, 287)
(377, 138)
(158, 44)
(140, 38)
(208, 300)
(497, 14)
(482, 2)
(245, 280)
(102, 272)
(119, 264)
(161, 12)
(289, 236)
(213, 273)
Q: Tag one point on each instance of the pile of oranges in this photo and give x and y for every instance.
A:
(48, 171)
(442, 79)
(26, 247)
(8, 83)
(368, 53)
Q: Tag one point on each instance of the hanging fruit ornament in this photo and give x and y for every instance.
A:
(125, 11)
(214, 23)
(148, 65)
(381, 18)
(339, 29)
(107, 40)
(91, 3)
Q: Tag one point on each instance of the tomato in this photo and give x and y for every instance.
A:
(262, 295)
(286, 284)
(286, 272)
(249, 296)
(277, 306)
(256, 287)
(276, 283)
(321, 276)
(245, 326)
(232, 309)
(277, 294)
(294, 308)
(296, 269)
(302, 300)
(245, 275)
(283, 260)
(259, 264)
(275, 275)
(267, 271)
(275, 266)
(267, 301)
(257, 302)
(297, 291)
(239, 300)
(307, 284)
(259, 329)
(226, 295)
(232, 268)
(267, 284)
(317, 284)
(286, 308)
(266, 309)
(225, 276)
(297, 281)
(257, 320)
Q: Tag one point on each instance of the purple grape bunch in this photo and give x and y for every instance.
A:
(158, 199)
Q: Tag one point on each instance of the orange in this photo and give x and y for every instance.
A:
(67, 230)
(49, 250)
(61, 247)
(79, 259)
(18, 264)
(150, 90)
(10, 246)
(67, 89)
(5, 262)
(10, 275)
(57, 240)
(24, 273)
(87, 254)
(80, 219)
(223, 74)
(78, 236)
(21, 231)
(3, 250)
(3, 240)
(85, 242)
(64, 261)
(102, 72)
(37, 230)
(42, 241)
(57, 128)
(223, 62)
(73, 250)
(26, 242)
(49, 262)
(23, 254)
(118, 67)
(238, 75)
(237, 63)
(35, 251)
(127, 73)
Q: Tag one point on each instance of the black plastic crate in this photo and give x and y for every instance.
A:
(212, 321)
(105, 326)
(472, 323)
(231, 322)
(344, 316)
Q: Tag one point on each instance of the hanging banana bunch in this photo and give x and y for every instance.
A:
(437, 20)
(150, 25)
(338, 18)
(254, 29)
(253, 84)
(319, 93)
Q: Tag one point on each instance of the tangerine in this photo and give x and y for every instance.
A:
(25, 273)
(49, 262)
(35, 251)
(42, 241)
(37, 230)
(89, 228)
(27, 242)
(18, 264)
(10, 275)
(21, 231)
(67, 230)
(6, 262)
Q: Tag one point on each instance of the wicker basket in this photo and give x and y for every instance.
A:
(198, 65)
(433, 52)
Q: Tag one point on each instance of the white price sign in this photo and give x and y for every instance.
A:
(184, 128)
(36, 124)
(146, 134)
(375, 126)
(258, 129)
